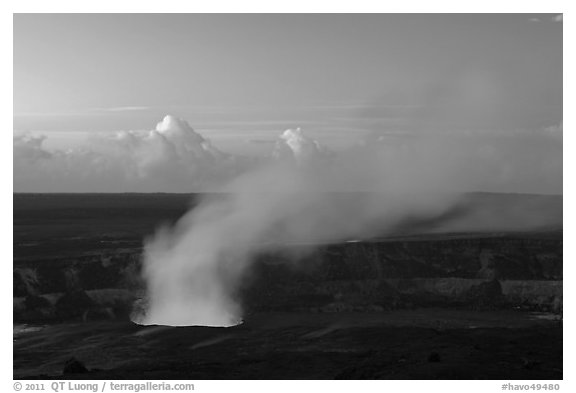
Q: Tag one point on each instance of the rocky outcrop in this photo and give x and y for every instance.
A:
(487, 294)
(117, 270)
(361, 276)
(74, 366)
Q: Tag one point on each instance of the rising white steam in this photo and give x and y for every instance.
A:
(193, 270)
(302, 194)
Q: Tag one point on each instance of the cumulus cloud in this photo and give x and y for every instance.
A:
(29, 148)
(294, 145)
(170, 158)
(173, 157)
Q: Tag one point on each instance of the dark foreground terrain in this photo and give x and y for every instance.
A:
(419, 344)
(476, 305)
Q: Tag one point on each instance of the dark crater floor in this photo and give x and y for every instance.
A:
(431, 343)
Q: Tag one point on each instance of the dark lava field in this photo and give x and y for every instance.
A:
(414, 304)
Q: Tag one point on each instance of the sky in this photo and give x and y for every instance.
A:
(241, 79)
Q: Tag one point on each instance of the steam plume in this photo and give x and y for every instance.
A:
(303, 194)
(194, 269)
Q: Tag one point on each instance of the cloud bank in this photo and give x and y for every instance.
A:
(173, 157)
(170, 158)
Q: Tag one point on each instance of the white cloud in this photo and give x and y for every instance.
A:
(170, 158)
(294, 145)
(173, 157)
